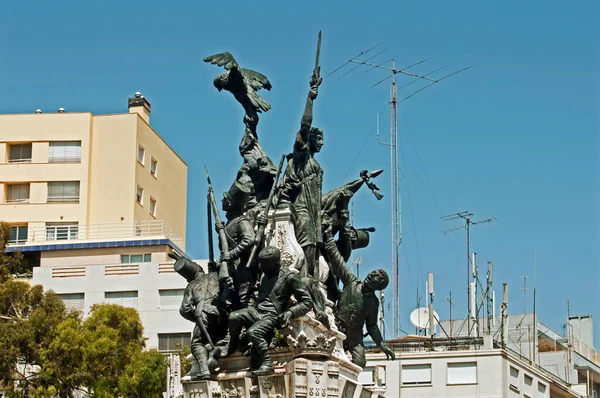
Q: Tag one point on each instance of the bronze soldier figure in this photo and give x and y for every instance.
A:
(240, 240)
(204, 304)
(358, 304)
(272, 310)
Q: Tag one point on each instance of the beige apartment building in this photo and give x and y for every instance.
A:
(95, 202)
(80, 176)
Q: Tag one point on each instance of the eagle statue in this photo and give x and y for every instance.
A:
(242, 83)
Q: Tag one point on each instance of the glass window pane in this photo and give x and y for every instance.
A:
(19, 153)
(63, 191)
(416, 374)
(141, 154)
(170, 298)
(124, 299)
(17, 193)
(136, 258)
(169, 341)
(13, 234)
(147, 258)
(462, 373)
(124, 258)
(64, 151)
(22, 234)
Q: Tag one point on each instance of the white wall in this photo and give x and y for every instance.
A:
(492, 375)
(147, 283)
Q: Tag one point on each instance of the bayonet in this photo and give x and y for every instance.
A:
(211, 254)
(223, 267)
(261, 229)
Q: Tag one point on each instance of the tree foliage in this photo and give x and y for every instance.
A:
(49, 351)
(145, 375)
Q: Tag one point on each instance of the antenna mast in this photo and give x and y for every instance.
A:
(396, 204)
(473, 311)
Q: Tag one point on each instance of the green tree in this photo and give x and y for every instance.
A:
(114, 336)
(103, 355)
(145, 376)
(10, 264)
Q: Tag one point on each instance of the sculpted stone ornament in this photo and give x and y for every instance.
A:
(271, 310)
(321, 344)
(358, 305)
(204, 304)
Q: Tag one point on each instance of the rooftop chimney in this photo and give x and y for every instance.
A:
(140, 105)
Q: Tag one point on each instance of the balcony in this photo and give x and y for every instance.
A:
(71, 233)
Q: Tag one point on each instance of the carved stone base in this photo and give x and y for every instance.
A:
(299, 378)
(280, 232)
(309, 362)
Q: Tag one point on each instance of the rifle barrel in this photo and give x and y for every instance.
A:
(261, 229)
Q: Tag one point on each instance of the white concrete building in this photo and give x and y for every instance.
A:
(134, 273)
(547, 366)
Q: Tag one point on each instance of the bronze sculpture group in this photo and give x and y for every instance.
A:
(248, 293)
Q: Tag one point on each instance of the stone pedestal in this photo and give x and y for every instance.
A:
(300, 378)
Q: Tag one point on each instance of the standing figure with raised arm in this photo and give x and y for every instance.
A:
(303, 181)
(358, 305)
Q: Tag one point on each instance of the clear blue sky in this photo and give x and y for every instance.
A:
(515, 138)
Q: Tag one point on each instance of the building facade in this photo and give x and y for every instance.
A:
(520, 357)
(95, 202)
(67, 176)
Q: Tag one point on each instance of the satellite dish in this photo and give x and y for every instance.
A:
(420, 317)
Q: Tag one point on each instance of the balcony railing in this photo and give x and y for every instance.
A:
(69, 232)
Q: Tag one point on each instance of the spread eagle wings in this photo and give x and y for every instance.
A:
(242, 83)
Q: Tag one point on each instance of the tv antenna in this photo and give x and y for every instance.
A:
(396, 205)
(357, 262)
(450, 304)
(471, 265)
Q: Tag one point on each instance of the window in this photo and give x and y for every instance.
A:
(462, 373)
(153, 167)
(514, 378)
(64, 152)
(141, 154)
(124, 299)
(63, 191)
(73, 300)
(153, 206)
(136, 258)
(17, 193)
(416, 374)
(528, 379)
(20, 153)
(171, 298)
(541, 388)
(169, 341)
(18, 234)
(139, 194)
(62, 230)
